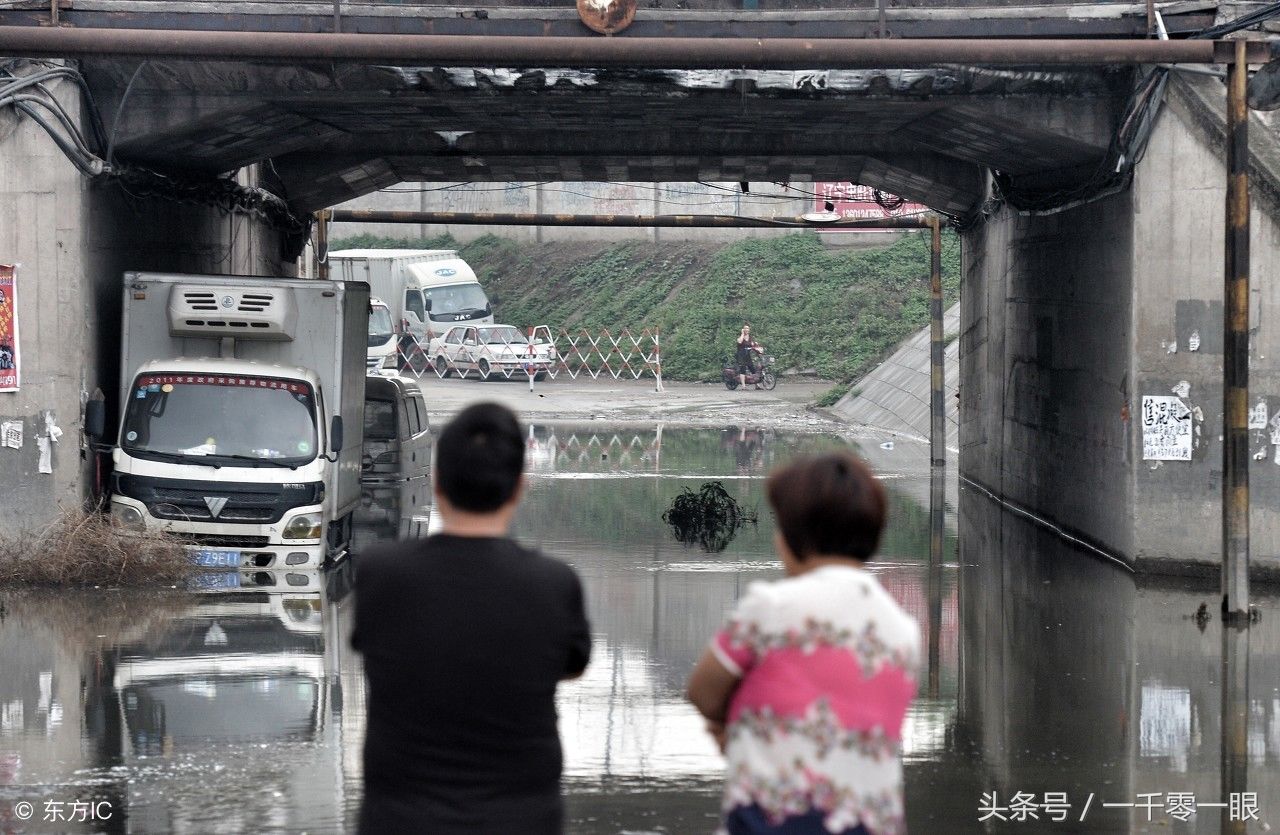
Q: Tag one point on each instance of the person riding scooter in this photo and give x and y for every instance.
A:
(746, 364)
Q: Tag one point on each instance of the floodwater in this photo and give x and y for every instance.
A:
(241, 709)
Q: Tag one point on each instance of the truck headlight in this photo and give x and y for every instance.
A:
(128, 516)
(305, 526)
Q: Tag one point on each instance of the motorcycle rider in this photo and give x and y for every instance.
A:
(746, 364)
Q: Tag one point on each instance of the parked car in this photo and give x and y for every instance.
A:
(397, 433)
(491, 350)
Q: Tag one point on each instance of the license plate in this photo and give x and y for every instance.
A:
(210, 580)
(212, 558)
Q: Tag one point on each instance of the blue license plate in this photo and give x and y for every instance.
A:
(211, 558)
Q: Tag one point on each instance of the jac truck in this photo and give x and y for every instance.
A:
(427, 291)
(241, 415)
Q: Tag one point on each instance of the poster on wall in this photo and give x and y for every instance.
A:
(858, 202)
(8, 328)
(1166, 429)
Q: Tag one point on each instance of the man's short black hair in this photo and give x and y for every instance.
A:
(479, 458)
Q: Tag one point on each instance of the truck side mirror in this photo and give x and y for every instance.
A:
(427, 302)
(95, 418)
(335, 434)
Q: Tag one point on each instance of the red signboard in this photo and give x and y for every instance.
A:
(156, 382)
(856, 202)
(8, 328)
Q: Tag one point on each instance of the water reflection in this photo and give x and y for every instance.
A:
(240, 708)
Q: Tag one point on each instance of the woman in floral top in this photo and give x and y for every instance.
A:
(807, 684)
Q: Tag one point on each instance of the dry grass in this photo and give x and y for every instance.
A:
(92, 549)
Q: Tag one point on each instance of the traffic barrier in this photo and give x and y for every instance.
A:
(503, 352)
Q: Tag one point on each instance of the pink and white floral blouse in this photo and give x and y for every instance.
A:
(828, 662)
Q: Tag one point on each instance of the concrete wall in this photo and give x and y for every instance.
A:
(74, 239)
(1179, 206)
(1045, 374)
(1069, 320)
(764, 200)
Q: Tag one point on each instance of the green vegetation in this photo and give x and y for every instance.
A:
(832, 312)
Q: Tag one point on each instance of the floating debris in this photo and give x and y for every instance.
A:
(709, 518)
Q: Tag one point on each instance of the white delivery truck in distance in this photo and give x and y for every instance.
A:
(382, 338)
(236, 394)
(427, 290)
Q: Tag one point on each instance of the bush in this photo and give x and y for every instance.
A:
(92, 549)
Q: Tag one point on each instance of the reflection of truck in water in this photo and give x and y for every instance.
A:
(236, 394)
(426, 290)
(235, 674)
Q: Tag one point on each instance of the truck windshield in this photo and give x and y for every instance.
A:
(453, 299)
(228, 420)
(380, 329)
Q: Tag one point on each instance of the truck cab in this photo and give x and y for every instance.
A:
(381, 357)
(227, 439)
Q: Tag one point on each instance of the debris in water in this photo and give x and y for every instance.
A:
(709, 518)
(887, 445)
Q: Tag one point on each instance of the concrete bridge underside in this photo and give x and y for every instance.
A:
(1067, 319)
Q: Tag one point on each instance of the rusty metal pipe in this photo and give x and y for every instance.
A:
(642, 221)
(639, 52)
(1235, 353)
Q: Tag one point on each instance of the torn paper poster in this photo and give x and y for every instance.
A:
(1258, 414)
(46, 440)
(1166, 429)
(1172, 347)
(1193, 341)
(11, 434)
(8, 328)
(46, 454)
(1261, 454)
(1182, 389)
(1274, 425)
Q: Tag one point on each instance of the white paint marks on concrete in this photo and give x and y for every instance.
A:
(1171, 347)
(11, 434)
(1166, 429)
(1182, 389)
(1258, 414)
(1193, 342)
(1275, 428)
(1261, 454)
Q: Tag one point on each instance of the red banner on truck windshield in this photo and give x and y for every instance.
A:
(158, 380)
(8, 328)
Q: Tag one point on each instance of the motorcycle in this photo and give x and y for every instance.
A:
(763, 375)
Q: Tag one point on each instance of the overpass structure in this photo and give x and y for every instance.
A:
(1088, 177)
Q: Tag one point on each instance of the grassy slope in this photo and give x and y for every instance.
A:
(836, 312)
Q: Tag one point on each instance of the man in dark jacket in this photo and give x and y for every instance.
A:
(465, 636)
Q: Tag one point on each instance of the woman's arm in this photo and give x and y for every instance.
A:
(710, 687)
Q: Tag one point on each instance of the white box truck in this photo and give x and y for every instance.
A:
(426, 290)
(241, 415)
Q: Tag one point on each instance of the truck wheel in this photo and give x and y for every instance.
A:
(442, 367)
(483, 367)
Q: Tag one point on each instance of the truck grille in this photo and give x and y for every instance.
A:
(194, 501)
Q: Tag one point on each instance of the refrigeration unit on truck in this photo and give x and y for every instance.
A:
(241, 404)
(427, 290)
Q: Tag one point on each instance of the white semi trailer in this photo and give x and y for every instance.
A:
(241, 404)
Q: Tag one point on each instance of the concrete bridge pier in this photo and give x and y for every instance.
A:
(1070, 320)
(73, 238)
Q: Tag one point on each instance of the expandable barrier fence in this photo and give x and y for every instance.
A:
(498, 352)
(550, 449)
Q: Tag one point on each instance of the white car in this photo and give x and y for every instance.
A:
(491, 350)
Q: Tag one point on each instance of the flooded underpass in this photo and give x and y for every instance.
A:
(1052, 676)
